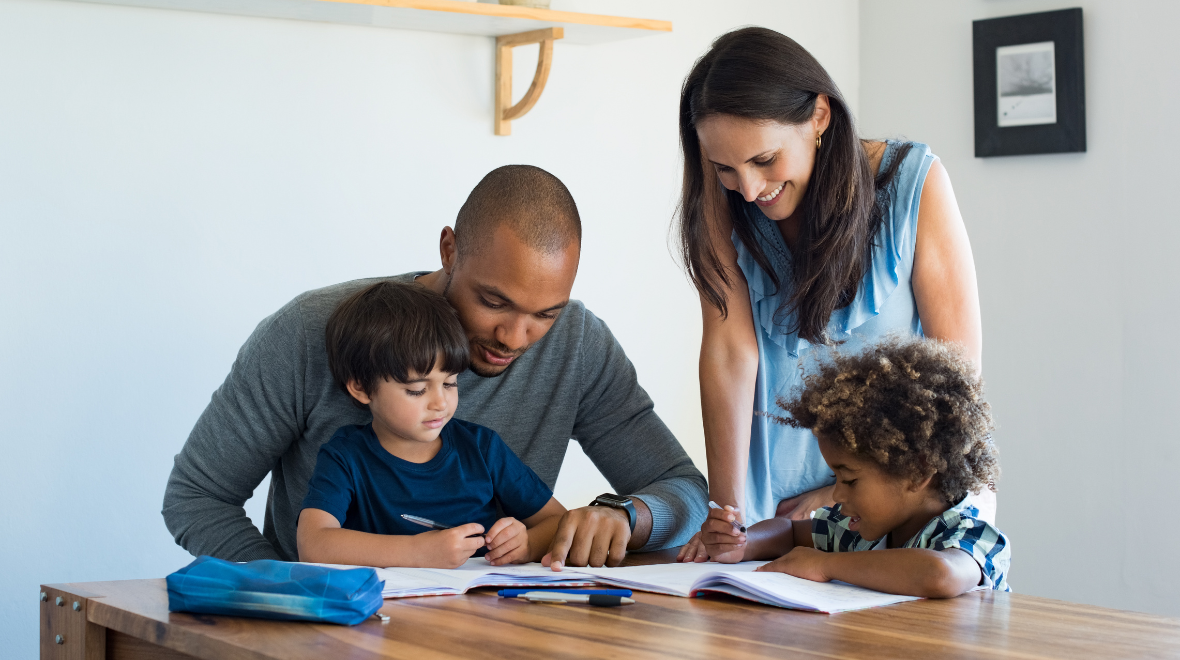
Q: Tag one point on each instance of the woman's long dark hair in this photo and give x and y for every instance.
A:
(762, 75)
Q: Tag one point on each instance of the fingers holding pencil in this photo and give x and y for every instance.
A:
(723, 534)
(729, 514)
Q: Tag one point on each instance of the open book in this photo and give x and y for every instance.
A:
(406, 582)
(685, 580)
(778, 589)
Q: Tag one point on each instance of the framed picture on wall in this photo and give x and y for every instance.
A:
(1030, 92)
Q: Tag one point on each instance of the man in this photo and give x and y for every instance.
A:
(543, 370)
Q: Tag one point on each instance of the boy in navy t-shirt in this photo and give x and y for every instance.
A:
(397, 349)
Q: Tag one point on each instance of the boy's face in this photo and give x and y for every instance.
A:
(414, 411)
(876, 502)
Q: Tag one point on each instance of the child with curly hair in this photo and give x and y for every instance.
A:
(904, 427)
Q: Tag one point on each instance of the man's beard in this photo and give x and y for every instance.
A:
(476, 345)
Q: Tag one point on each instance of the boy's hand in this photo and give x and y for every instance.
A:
(508, 543)
(722, 542)
(807, 563)
(449, 548)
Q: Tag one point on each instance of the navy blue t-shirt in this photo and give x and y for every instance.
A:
(368, 489)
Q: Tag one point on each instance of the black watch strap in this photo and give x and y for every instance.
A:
(618, 502)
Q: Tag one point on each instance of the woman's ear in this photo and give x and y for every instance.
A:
(358, 392)
(821, 117)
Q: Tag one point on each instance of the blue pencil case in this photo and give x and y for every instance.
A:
(275, 590)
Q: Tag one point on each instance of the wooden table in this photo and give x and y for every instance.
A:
(130, 619)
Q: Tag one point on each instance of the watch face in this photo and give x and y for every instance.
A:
(613, 500)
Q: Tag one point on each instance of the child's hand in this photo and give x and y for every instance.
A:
(807, 563)
(508, 542)
(449, 548)
(723, 543)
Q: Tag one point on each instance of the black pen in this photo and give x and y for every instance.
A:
(598, 600)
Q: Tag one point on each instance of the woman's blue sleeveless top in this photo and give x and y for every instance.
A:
(786, 461)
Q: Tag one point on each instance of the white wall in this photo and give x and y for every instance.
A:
(167, 179)
(1079, 287)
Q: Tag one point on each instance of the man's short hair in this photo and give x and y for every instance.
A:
(533, 203)
(389, 329)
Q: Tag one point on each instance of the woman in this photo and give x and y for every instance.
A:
(814, 240)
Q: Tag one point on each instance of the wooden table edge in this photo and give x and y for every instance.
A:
(98, 630)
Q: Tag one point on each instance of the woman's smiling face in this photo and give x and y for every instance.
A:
(768, 163)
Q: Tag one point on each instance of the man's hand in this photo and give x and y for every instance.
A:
(807, 563)
(592, 535)
(451, 547)
(508, 543)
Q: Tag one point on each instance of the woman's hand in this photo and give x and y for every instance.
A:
(694, 550)
(723, 542)
(801, 506)
(717, 540)
(806, 563)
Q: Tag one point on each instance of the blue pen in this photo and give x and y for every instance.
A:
(513, 593)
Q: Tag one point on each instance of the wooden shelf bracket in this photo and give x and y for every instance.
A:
(504, 46)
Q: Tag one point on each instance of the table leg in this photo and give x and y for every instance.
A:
(66, 634)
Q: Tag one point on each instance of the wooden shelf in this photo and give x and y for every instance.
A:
(454, 16)
(511, 25)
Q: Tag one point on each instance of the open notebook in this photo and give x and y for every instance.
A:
(406, 582)
(777, 589)
(685, 580)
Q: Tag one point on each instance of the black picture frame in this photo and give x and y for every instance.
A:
(1017, 35)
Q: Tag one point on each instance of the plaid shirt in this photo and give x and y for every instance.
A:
(957, 527)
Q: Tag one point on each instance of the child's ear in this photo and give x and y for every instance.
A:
(919, 484)
(358, 392)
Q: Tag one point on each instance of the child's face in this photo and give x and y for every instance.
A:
(416, 410)
(876, 502)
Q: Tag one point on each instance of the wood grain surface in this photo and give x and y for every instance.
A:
(480, 625)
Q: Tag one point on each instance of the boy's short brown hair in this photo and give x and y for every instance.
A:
(389, 329)
(913, 406)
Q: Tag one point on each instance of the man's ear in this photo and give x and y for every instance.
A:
(448, 250)
(358, 392)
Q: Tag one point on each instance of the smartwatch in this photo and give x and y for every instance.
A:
(617, 502)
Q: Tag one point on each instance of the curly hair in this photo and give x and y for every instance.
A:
(913, 406)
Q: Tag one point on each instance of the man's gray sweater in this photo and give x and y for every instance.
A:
(280, 403)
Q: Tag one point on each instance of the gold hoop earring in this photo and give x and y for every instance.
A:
(819, 140)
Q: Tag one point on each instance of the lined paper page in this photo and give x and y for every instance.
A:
(673, 579)
(790, 591)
